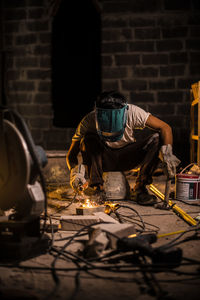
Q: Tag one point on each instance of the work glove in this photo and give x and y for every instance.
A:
(77, 177)
(170, 161)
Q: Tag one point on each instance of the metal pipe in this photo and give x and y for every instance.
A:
(174, 207)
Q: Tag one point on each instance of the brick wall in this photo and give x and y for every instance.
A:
(26, 49)
(150, 52)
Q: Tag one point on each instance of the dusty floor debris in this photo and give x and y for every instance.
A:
(68, 271)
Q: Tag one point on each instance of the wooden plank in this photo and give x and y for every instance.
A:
(195, 90)
(192, 143)
(195, 101)
(195, 137)
(198, 143)
(195, 93)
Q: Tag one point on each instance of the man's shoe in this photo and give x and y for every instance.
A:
(142, 197)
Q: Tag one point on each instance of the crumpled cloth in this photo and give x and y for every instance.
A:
(77, 177)
(169, 160)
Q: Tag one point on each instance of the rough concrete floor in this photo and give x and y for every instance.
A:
(36, 278)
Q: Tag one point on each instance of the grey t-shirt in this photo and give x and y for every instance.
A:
(136, 119)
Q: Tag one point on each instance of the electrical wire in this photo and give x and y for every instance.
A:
(191, 204)
(55, 277)
(131, 208)
(130, 218)
(152, 282)
(89, 267)
(170, 243)
(67, 206)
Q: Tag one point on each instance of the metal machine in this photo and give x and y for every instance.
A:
(22, 188)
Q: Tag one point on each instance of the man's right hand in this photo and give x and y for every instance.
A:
(77, 178)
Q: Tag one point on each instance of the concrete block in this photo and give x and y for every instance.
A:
(105, 218)
(97, 243)
(77, 222)
(115, 231)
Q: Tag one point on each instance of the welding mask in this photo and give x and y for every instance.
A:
(111, 123)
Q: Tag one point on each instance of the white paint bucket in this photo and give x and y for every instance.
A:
(187, 187)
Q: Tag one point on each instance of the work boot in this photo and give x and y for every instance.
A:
(142, 196)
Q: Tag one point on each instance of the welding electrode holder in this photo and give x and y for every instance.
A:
(82, 187)
(141, 243)
(110, 207)
(167, 256)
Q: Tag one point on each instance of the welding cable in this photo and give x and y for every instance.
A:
(53, 292)
(115, 268)
(191, 204)
(55, 277)
(148, 272)
(67, 269)
(192, 260)
(194, 277)
(65, 207)
(146, 223)
(110, 268)
(170, 243)
(131, 208)
(151, 281)
(118, 216)
(118, 279)
(178, 272)
(77, 286)
(124, 218)
(165, 268)
(76, 257)
(77, 276)
(187, 239)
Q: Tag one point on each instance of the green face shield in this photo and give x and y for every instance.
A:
(110, 123)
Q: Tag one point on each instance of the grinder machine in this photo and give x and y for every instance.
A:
(22, 187)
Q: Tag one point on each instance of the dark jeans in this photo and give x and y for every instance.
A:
(100, 158)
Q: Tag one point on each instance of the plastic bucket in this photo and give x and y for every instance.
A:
(187, 187)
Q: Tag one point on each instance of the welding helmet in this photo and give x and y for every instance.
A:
(111, 114)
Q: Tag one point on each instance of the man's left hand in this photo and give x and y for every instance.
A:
(171, 161)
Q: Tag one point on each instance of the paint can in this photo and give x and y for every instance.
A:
(187, 187)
